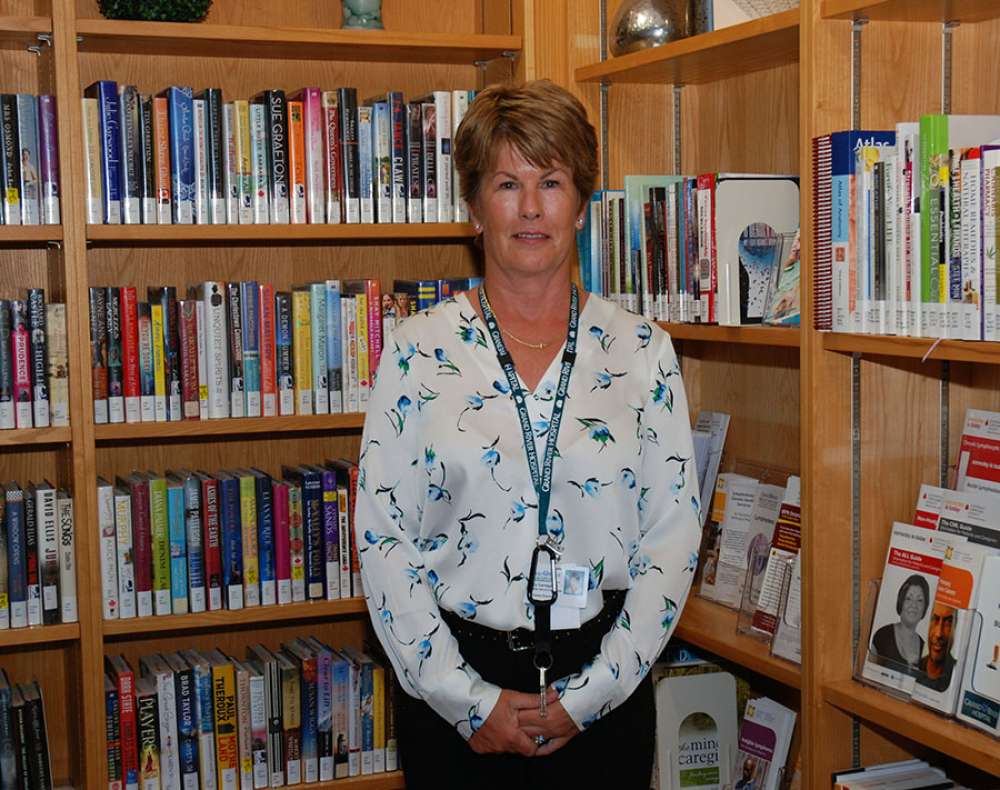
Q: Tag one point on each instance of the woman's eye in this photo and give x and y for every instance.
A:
(549, 183)
(507, 185)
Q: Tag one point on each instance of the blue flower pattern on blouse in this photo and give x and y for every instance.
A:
(459, 536)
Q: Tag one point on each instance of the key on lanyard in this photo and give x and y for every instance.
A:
(543, 711)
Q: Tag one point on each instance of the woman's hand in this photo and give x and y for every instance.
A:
(501, 732)
(557, 727)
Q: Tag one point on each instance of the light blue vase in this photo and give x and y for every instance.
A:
(362, 14)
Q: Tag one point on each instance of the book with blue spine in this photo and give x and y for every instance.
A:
(324, 707)
(232, 539)
(312, 526)
(423, 293)
(305, 660)
(195, 540)
(31, 185)
(340, 679)
(176, 530)
(106, 93)
(201, 674)
(112, 739)
(334, 357)
(187, 720)
(180, 109)
(250, 307)
(283, 352)
(365, 165)
(17, 556)
(319, 322)
(8, 759)
(265, 537)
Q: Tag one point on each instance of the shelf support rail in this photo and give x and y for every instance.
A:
(944, 394)
(678, 92)
(857, 26)
(946, 31)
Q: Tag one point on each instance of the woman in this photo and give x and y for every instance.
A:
(450, 521)
(898, 644)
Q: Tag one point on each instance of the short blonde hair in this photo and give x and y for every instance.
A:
(541, 121)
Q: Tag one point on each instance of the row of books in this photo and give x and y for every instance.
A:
(935, 637)
(905, 229)
(25, 758)
(312, 156)
(719, 248)
(29, 160)
(900, 775)
(37, 556)
(190, 541)
(304, 712)
(34, 362)
(244, 349)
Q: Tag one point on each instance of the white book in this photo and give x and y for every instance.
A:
(703, 199)
(787, 642)
(244, 736)
(696, 731)
(865, 318)
(48, 545)
(970, 308)
(991, 311)
(459, 106)
(344, 537)
(212, 295)
(129, 140)
(258, 724)
(126, 563)
(318, 328)
(382, 161)
(261, 177)
(365, 166)
(442, 104)
(353, 714)
(156, 668)
(92, 162)
(349, 355)
(231, 158)
(908, 228)
(108, 549)
(890, 296)
(979, 701)
(202, 209)
(199, 308)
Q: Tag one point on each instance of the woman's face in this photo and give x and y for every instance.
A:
(914, 604)
(527, 214)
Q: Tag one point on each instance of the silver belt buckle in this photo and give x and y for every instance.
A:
(517, 643)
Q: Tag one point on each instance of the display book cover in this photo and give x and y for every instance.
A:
(764, 740)
(695, 730)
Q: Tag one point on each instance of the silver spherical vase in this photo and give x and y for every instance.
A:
(641, 24)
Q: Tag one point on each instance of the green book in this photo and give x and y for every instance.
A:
(159, 530)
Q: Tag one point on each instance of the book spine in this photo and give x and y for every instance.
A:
(113, 326)
(131, 390)
(349, 352)
(378, 719)
(374, 307)
(31, 554)
(310, 750)
(11, 150)
(334, 342)
(106, 93)
(318, 347)
(180, 111)
(143, 546)
(128, 725)
(296, 542)
(291, 720)
(442, 148)
(258, 730)
(314, 120)
(202, 174)
(296, 163)
(48, 552)
(430, 161)
(204, 720)
(108, 550)
(276, 117)
(341, 715)
(68, 610)
(283, 353)
(244, 161)
(38, 330)
(459, 106)
(187, 323)
(213, 298)
(22, 368)
(244, 735)
(159, 531)
(251, 552)
(367, 719)
(125, 558)
(344, 536)
(167, 297)
(216, 154)
(162, 157)
(250, 337)
(58, 372)
(27, 128)
(212, 541)
(352, 497)
(148, 737)
(331, 534)
(237, 402)
(261, 167)
(232, 542)
(333, 182)
(195, 542)
(302, 350)
(265, 539)
(159, 363)
(414, 163)
(324, 713)
(147, 179)
(391, 744)
(397, 131)
(349, 148)
(112, 739)
(187, 726)
(382, 161)
(7, 420)
(364, 357)
(226, 723)
(202, 354)
(48, 160)
(130, 154)
(98, 355)
(312, 526)
(177, 530)
(231, 162)
(268, 360)
(282, 547)
(366, 166)
(17, 557)
(92, 162)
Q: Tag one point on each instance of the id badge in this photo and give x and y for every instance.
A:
(542, 578)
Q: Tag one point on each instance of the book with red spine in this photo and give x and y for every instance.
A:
(142, 542)
(296, 163)
(313, 121)
(211, 539)
(20, 340)
(187, 321)
(708, 276)
(268, 360)
(130, 353)
(282, 542)
(124, 678)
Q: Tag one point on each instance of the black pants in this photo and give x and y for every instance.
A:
(615, 752)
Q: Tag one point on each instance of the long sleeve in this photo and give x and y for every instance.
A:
(402, 594)
(661, 562)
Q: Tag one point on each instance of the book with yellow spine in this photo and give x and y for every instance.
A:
(244, 167)
(248, 518)
(364, 375)
(159, 363)
(378, 714)
(224, 706)
(302, 349)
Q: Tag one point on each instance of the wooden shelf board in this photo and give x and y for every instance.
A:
(916, 723)
(912, 10)
(29, 234)
(226, 618)
(237, 41)
(19, 31)
(39, 635)
(760, 44)
(713, 627)
(278, 234)
(387, 781)
(211, 428)
(752, 335)
(891, 346)
(24, 436)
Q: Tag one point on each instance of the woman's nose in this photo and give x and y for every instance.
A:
(531, 206)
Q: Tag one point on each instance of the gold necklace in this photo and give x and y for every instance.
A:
(536, 346)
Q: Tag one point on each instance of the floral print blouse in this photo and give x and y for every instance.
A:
(446, 510)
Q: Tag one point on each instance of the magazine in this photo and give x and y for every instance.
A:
(764, 739)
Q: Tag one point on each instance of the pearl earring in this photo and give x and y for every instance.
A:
(478, 227)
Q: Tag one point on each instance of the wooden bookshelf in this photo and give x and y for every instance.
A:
(39, 635)
(224, 619)
(207, 429)
(20, 31)
(713, 627)
(741, 49)
(746, 335)
(278, 234)
(387, 781)
(35, 436)
(971, 746)
(914, 347)
(238, 41)
(911, 10)
(20, 235)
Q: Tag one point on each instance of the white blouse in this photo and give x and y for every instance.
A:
(445, 512)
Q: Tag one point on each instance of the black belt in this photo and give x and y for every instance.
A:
(522, 639)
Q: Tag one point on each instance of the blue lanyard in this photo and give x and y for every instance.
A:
(541, 478)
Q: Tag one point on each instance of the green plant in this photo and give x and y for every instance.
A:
(156, 10)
